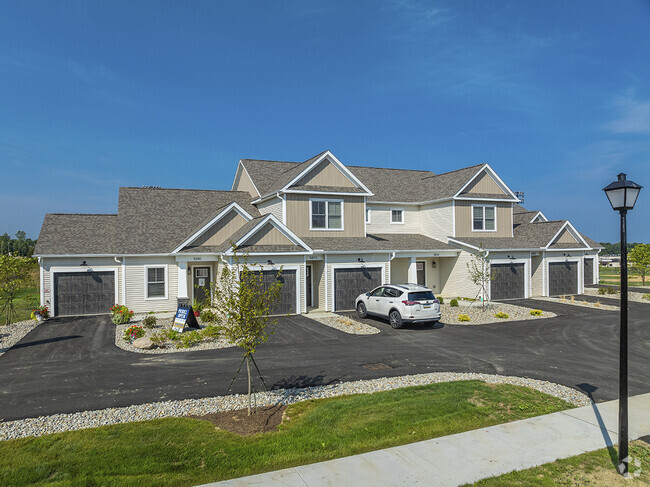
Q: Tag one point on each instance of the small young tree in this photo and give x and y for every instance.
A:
(639, 258)
(14, 273)
(480, 273)
(244, 302)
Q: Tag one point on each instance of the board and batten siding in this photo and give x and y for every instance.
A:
(326, 174)
(299, 215)
(437, 220)
(273, 206)
(380, 219)
(244, 183)
(268, 235)
(484, 184)
(565, 237)
(464, 219)
(221, 231)
(135, 284)
(74, 263)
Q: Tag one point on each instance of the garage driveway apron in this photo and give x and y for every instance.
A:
(72, 364)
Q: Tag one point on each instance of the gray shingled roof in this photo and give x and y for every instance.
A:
(384, 241)
(157, 220)
(523, 217)
(72, 234)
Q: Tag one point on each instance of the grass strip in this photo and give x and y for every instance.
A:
(183, 451)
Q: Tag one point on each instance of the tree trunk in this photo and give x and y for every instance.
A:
(248, 369)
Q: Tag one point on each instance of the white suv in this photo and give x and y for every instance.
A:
(400, 303)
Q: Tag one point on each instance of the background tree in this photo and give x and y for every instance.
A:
(243, 303)
(14, 273)
(21, 245)
(481, 274)
(639, 258)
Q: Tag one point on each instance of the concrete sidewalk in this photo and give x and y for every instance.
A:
(470, 456)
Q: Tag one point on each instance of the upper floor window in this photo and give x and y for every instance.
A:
(484, 218)
(367, 215)
(326, 215)
(396, 215)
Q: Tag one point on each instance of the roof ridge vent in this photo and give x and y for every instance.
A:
(151, 187)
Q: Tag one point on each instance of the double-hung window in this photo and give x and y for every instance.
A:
(155, 282)
(484, 218)
(396, 215)
(326, 215)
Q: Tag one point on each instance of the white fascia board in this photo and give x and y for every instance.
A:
(358, 251)
(337, 193)
(400, 203)
(346, 172)
(465, 244)
(573, 232)
(538, 214)
(469, 198)
(494, 175)
(270, 218)
(232, 206)
(238, 173)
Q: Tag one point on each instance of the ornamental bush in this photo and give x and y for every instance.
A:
(463, 318)
(149, 321)
(612, 290)
(441, 300)
(536, 312)
(120, 314)
(208, 316)
(211, 331)
(453, 303)
(133, 332)
(646, 296)
(189, 339)
(501, 315)
(602, 290)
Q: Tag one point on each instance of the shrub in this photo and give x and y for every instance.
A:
(208, 316)
(172, 335)
(158, 339)
(211, 331)
(149, 321)
(121, 314)
(501, 315)
(602, 290)
(189, 339)
(612, 290)
(597, 304)
(536, 312)
(441, 300)
(463, 318)
(646, 296)
(133, 332)
(454, 303)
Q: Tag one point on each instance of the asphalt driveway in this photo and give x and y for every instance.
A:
(72, 364)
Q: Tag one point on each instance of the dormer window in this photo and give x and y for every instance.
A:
(484, 218)
(326, 214)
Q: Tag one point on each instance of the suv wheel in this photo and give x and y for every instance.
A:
(395, 319)
(361, 310)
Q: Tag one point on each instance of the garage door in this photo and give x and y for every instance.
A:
(83, 293)
(562, 278)
(589, 271)
(349, 283)
(287, 302)
(509, 281)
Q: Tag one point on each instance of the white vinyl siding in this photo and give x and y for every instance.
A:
(437, 220)
(380, 219)
(454, 277)
(136, 292)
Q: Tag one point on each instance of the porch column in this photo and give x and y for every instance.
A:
(413, 271)
(182, 280)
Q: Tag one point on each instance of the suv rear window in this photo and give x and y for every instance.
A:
(421, 296)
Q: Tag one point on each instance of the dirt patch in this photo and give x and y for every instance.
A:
(265, 419)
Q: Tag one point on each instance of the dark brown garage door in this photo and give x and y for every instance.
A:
(349, 283)
(83, 293)
(509, 281)
(287, 303)
(589, 271)
(562, 278)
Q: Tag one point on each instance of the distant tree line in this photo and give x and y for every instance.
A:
(615, 248)
(21, 245)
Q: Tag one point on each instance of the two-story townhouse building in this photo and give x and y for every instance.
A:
(335, 231)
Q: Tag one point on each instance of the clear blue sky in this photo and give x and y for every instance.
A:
(555, 95)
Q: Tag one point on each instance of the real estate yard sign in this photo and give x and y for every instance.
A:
(184, 316)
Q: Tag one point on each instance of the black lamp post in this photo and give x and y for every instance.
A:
(622, 195)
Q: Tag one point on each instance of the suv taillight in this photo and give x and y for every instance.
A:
(410, 303)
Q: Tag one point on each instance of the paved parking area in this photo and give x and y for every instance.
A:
(72, 364)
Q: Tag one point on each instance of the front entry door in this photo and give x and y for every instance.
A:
(308, 281)
(201, 283)
(422, 277)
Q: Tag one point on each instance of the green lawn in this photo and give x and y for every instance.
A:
(182, 451)
(596, 469)
(25, 301)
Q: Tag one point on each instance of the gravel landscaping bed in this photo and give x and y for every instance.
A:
(89, 419)
(165, 323)
(581, 302)
(344, 324)
(631, 296)
(13, 333)
(478, 316)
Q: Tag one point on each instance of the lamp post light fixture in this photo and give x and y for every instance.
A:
(622, 195)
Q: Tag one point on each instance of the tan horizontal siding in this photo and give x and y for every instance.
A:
(437, 220)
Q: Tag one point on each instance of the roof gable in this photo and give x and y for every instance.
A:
(243, 181)
(267, 233)
(486, 183)
(566, 237)
(325, 173)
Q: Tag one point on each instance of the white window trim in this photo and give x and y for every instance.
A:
(391, 216)
(368, 215)
(472, 218)
(55, 270)
(146, 282)
(327, 200)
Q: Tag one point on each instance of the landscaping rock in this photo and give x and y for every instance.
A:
(143, 343)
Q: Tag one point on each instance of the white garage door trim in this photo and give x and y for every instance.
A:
(61, 270)
(289, 267)
(353, 266)
(578, 260)
(526, 263)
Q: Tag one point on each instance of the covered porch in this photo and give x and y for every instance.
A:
(430, 269)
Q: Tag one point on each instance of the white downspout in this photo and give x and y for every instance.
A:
(123, 264)
(40, 269)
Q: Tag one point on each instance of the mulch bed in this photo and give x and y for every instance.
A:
(262, 420)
